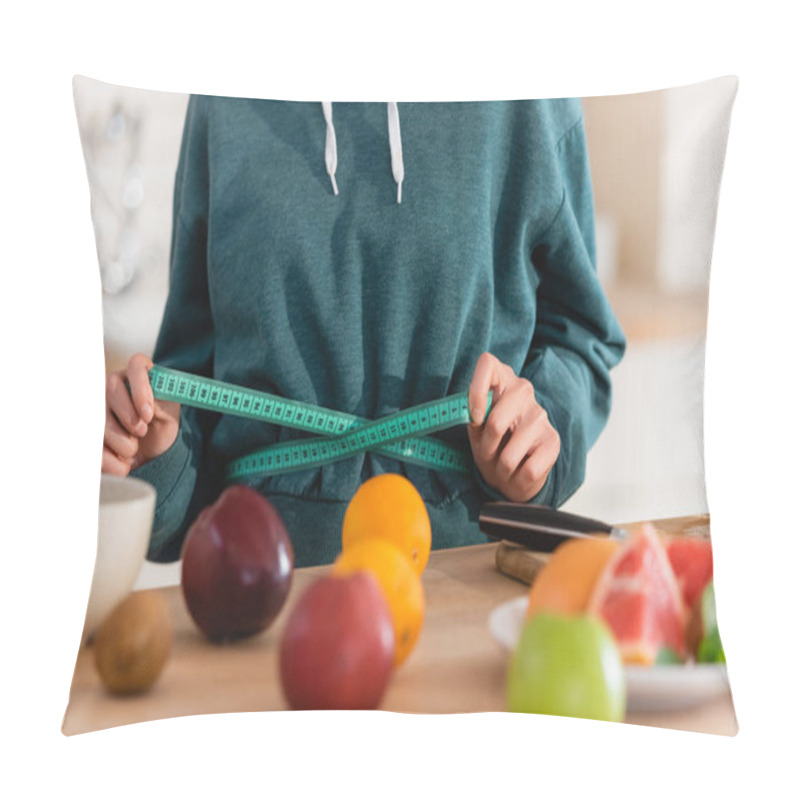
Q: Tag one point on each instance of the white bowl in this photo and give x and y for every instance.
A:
(124, 524)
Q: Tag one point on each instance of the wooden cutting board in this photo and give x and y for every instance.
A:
(523, 564)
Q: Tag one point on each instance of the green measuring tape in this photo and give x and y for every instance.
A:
(398, 435)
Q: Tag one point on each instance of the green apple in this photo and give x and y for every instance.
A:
(709, 650)
(567, 666)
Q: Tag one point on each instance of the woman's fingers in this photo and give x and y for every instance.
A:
(140, 389)
(516, 446)
(506, 416)
(113, 465)
(166, 410)
(531, 475)
(130, 396)
(119, 401)
(490, 373)
(137, 428)
(118, 440)
(529, 433)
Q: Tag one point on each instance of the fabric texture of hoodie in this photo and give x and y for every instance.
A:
(364, 302)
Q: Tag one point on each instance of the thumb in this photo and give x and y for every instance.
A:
(490, 374)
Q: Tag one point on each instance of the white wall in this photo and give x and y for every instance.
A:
(696, 131)
(657, 160)
(648, 463)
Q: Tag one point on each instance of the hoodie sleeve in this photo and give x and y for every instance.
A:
(185, 342)
(577, 339)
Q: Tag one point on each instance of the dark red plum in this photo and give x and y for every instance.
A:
(237, 566)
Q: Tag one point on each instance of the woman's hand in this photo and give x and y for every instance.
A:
(516, 447)
(138, 428)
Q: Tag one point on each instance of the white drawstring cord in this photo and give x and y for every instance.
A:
(396, 146)
(330, 145)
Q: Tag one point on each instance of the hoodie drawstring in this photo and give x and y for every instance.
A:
(330, 145)
(395, 146)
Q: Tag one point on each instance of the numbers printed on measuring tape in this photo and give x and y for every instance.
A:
(341, 435)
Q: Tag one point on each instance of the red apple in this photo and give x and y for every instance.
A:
(337, 649)
(237, 565)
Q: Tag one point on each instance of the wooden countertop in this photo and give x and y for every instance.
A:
(456, 666)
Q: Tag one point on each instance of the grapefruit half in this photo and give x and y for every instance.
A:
(638, 597)
(692, 564)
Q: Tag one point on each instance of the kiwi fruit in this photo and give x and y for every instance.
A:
(133, 643)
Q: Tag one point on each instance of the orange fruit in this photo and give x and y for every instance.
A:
(565, 583)
(389, 507)
(401, 586)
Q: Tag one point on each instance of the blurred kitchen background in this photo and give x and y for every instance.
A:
(656, 160)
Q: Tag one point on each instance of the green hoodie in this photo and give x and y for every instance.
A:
(358, 302)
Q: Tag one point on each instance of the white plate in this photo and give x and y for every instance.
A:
(665, 687)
